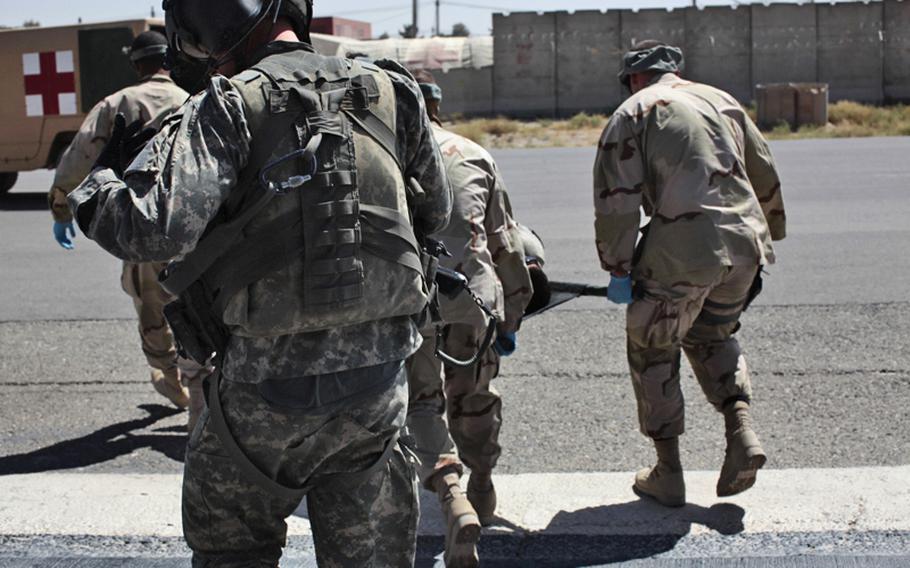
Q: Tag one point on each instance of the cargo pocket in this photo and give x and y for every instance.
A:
(655, 323)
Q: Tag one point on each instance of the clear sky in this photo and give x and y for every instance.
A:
(386, 15)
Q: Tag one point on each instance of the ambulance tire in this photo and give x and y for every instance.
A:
(7, 181)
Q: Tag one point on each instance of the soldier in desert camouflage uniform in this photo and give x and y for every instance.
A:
(486, 247)
(150, 101)
(313, 152)
(693, 160)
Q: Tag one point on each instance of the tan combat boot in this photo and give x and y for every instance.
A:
(167, 383)
(664, 482)
(462, 524)
(197, 400)
(744, 453)
(482, 496)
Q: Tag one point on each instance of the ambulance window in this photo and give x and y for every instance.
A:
(104, 63)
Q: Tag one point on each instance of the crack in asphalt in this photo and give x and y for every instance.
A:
(73, 383)
(787, 373)
(755, 308)
(853, 523)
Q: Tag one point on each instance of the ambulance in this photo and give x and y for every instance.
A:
(52, 77)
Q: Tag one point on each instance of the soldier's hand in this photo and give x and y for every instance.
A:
(64, 233)
(124, 145)
(505, 344)
(620, 289)
(135, 137)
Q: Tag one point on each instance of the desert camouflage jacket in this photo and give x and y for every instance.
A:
(693, 160)
(176, 186)
(482, 235)
(151, 101)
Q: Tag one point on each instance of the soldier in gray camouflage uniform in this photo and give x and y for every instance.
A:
(690, 156)
(312, 390)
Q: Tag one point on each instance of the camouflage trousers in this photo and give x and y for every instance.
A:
(140, 281)
(370, 521)
(464, 396)
(698, 314)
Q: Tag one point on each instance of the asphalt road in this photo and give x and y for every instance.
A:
(827, 341)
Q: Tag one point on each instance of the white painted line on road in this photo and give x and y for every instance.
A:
(798, 500)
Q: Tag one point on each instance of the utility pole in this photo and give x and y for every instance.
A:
(438, 30)
(414, 22)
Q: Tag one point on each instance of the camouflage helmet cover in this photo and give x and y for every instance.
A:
(650, 56)
(535, 258)
(428, 87)
(533, 244)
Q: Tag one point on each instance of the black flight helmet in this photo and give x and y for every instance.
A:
(202, 29)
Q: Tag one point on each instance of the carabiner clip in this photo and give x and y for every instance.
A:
(292, 182)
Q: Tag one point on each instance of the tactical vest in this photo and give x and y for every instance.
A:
(326, 236)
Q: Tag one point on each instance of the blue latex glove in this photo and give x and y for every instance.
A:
(60, 233)
(505, 344)
(620, 290)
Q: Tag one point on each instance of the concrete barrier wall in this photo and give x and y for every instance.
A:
(897, 51)
(524, 70)
(665, 25)
(467, 92)
(850, 54)
(561, 63)
(718, 49)
(784, 44)
(587, 49)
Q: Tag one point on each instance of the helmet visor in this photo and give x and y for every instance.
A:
(178, 39)
(192, 50)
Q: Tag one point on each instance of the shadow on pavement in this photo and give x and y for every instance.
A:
(100, 446)
(637, 529)
(23, 202)
(593, 536)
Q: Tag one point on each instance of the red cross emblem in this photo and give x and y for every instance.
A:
(50, 83)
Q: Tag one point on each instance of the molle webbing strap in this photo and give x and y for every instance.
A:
(335, 266)
(338, 237)
(356, 105)
(378, 131)
(721, 306)
(332, 209)
(391, 237)
(710, 318)
(334, 179)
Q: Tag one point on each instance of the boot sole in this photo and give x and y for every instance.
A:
(745, 478)
(464, 551)
(673, 503)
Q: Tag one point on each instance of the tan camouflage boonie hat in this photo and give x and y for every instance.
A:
(648, 56)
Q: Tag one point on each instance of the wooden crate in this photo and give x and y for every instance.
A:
(793, 103)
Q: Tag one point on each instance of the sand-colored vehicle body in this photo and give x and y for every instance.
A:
(52, 77)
